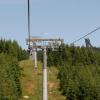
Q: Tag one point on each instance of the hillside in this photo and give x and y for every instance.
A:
(32, 82)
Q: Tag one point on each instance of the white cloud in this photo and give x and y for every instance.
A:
(45, 33)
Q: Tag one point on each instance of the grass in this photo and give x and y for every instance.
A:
(32, 82)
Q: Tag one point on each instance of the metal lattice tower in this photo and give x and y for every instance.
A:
(87, 42)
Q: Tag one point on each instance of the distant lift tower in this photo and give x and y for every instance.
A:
(43, 44)
(33, 56)
(87, 42)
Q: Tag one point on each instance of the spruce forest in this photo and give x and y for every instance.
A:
(10, 55)
(79, 70)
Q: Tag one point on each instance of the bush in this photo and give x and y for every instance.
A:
(79, 71)
(9, 78)
(80, 82)
(12, 48)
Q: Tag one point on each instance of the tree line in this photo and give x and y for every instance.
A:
(10, 55)
(79, 71)
(12, 48)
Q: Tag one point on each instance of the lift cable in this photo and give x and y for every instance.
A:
(86, 35)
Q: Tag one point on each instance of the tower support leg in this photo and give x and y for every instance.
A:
(35, 59)
(44, 97)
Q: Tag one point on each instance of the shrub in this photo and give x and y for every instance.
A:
(9, 78)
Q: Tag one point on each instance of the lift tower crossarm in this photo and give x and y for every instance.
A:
(43, 39)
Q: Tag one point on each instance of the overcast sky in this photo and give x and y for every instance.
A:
(68, 19)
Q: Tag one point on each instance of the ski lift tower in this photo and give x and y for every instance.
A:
(37, 43)
(87, 42)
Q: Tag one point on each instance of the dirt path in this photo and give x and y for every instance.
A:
(32, 82)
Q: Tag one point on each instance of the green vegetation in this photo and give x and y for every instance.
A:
(32, 82)
(9, 78)
(80, 82)
(10, 54)
(79, 71)
(13, 49)
(76, 74)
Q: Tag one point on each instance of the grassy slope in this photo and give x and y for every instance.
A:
(32, 82)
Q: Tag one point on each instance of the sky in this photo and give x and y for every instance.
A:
(67, 19)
